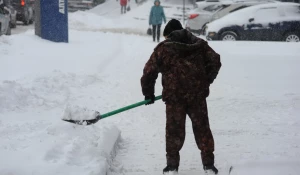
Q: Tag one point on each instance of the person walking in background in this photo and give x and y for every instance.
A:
(188, 66)
(157, 15)
(123, 5)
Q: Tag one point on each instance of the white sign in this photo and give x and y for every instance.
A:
(61, 6)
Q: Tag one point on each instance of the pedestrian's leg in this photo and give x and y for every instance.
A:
(203, 136)
(158, 32)
(175, 132)
(154, 32)
(121, 9)
(125, 8)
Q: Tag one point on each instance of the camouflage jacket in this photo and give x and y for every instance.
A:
(187, 64)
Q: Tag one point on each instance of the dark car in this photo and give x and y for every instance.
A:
(268, 22)
(24, 10)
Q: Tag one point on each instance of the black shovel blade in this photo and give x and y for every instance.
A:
(84, 122)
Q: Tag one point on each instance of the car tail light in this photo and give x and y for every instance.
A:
(22, 2)
(192, 16)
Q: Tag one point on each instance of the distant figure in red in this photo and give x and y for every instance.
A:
(123, 5)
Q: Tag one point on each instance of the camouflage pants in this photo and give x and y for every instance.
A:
(175, 131)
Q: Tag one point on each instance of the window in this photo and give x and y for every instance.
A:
(214, 8)
(266, 14)
(292, 10)
(239, 8)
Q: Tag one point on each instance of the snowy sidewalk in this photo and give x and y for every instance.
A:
(253, 107)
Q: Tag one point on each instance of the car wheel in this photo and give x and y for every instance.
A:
(229, 36)
(8, 32)
(31, 21)
(292, 37)
(13, 25)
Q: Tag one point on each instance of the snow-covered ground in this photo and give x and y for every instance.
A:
(254, 104)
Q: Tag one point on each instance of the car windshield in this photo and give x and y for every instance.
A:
(213, 8)
(239, 8)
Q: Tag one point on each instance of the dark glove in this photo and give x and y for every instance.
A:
(151, 97)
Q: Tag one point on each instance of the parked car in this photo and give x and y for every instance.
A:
(12, 12)
(24, 10)
(199, 18)
(268, 22)
(75, 5)
(4, 22)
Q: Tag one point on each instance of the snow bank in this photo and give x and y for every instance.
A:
(87, 21)
(35, 85)
(45, 91)
(56, 148)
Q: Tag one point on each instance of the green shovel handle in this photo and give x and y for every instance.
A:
(128, 107)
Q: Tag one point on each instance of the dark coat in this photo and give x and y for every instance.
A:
(123, 2)
(188, 66)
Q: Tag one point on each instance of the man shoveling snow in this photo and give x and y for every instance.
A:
(188, 67)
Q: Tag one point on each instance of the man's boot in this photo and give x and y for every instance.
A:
(211, 169)
(172, 170)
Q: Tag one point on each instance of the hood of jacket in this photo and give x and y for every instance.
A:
(156, 1)
(184, 40)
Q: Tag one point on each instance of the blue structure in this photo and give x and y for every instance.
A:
(51, 20)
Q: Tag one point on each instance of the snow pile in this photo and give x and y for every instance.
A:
(75, 112)
(47, 91)
(80, 19)
(36, 85)
(46, 148)
(87, 21)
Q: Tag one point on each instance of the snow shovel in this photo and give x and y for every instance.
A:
(82, 116)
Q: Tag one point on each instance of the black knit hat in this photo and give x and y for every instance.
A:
(172, 25)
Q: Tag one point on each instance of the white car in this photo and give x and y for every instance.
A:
(267, 22)
(199, 18)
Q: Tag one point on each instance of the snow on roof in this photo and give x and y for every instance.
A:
(238, 17)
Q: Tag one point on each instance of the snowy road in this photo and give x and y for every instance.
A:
(21, 28)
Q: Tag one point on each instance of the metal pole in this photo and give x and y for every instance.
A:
(183, 12)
